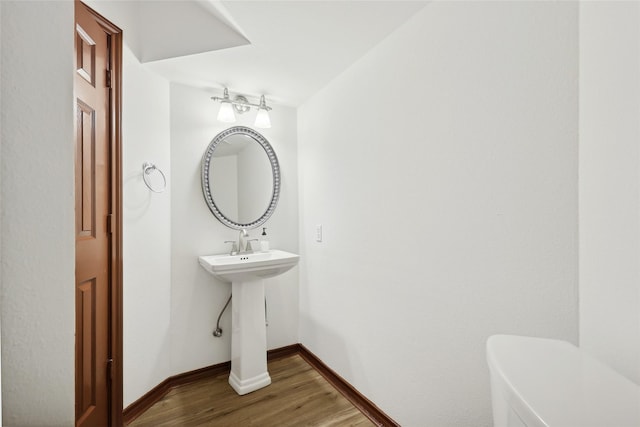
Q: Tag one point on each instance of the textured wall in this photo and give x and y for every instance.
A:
(38, 213)
(443, 167)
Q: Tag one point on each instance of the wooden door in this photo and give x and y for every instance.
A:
(96, 274)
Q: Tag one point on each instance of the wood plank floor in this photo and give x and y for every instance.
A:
(298, 396)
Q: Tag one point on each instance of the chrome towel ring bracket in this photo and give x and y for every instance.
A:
(147, 169)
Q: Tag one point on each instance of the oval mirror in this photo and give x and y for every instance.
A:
(240, 178)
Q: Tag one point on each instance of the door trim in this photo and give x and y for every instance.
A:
(116, 281)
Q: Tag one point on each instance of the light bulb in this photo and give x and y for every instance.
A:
(262, 119)
(226, 113)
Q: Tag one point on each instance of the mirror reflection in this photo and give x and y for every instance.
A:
(240, 178)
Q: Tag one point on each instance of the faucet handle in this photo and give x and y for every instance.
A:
(249, 248)
(234, 247)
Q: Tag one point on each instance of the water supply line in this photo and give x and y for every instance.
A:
(218, 332)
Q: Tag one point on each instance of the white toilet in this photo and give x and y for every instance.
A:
(537, 382)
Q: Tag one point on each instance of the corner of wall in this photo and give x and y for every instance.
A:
(609, 184)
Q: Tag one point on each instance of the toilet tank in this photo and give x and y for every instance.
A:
(538, 382)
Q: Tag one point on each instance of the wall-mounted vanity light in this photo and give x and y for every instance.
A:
(240, 104)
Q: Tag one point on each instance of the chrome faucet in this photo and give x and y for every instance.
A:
(234, 247)
(242, 241)
(242, 246)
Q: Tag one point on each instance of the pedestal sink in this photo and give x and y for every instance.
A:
(246, 273)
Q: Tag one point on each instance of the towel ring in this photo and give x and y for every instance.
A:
(147, 168)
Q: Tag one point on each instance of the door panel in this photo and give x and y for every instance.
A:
(86, 308)
(85, 55)
(85, 181)
(93, 206)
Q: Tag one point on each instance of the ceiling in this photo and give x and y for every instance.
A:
(286, 50)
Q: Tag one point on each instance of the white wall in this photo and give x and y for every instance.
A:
(147, 235)
(197, 297)
(443, 168)
(37, 221)
(610, 184)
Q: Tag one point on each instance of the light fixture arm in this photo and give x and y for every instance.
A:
(242, 101)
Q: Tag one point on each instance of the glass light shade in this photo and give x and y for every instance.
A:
(262, 119)
(226, 113)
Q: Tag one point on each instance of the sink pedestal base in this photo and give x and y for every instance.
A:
(248, 337)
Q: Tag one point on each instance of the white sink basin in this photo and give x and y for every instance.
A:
(259, 265)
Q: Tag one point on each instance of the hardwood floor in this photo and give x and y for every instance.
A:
(298, 396)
